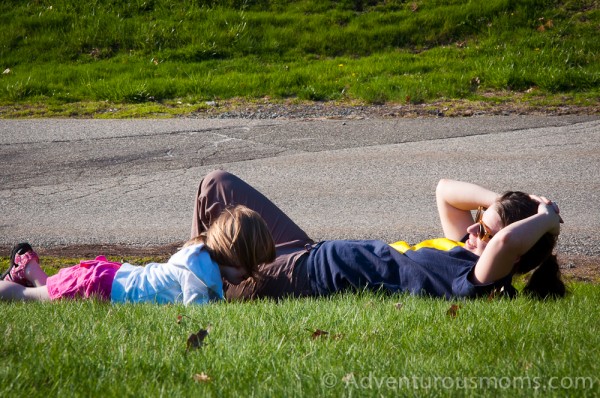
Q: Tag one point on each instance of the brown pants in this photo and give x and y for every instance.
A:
(286, 276)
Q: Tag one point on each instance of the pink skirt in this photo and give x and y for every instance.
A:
(91, 278)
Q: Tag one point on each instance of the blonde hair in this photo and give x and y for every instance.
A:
(240, 238)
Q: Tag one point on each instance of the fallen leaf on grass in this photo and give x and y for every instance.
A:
(196, 340)
(453, 310)
(320, 333)
(201, 378)
(181, 316)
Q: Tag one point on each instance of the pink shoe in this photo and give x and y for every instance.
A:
(21, 255)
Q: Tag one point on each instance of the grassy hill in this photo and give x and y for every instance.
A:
(72, 57)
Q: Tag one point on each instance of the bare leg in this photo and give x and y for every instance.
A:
(10, 291)
(35, 274)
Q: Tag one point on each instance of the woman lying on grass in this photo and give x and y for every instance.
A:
(231, 250)
(512, 234)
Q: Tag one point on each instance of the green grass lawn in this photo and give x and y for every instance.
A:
(376, 345)
(72, 58)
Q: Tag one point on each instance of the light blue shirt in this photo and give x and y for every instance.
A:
(189, 277)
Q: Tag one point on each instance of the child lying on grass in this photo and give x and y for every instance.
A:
(231, 249)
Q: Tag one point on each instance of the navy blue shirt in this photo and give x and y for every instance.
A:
(438, 268)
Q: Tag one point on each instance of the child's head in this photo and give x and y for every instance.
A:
(239, 240)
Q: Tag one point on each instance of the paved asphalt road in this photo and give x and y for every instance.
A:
(132, 182)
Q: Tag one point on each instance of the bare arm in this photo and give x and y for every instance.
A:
(455, 200)
(514, 240)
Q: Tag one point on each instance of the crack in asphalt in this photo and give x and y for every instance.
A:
(143, 135)
(214, 130)
(271, 149)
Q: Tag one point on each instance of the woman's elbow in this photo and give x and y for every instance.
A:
(441, 183)
(441, 186)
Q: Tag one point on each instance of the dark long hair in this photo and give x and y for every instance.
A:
(545, 281)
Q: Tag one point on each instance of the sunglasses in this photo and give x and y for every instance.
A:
(484, 231)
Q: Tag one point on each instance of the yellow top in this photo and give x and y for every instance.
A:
(438, 243)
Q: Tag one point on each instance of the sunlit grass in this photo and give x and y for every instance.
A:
(263, 348)
(375, 344)
(157, 51)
